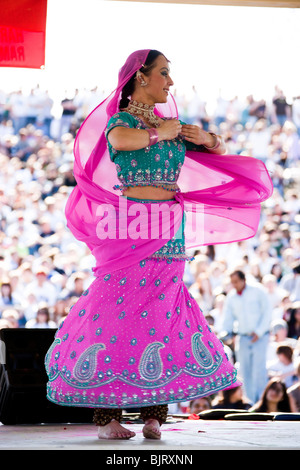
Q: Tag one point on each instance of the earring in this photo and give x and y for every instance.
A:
(140, 79)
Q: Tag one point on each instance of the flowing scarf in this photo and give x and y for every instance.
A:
(221, 195)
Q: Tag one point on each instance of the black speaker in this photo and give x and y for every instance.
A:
(23, 380)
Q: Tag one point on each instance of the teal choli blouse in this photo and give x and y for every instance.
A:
(156, 165)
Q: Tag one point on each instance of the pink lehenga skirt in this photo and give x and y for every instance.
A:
(136, 337)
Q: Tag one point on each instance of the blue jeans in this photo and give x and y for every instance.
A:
(252, 360)
(281, 119)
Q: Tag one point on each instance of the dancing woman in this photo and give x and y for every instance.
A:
(136, 338)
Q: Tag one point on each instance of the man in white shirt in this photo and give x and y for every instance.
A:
(247, 312)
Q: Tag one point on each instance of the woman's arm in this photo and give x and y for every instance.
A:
(212, 142)
(126, 139)
(122, 138)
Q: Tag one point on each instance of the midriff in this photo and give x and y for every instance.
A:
(149, 192)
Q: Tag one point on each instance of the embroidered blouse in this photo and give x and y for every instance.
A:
(156, 165)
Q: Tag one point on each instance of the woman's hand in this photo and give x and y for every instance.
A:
(169, 129)
(197, 136)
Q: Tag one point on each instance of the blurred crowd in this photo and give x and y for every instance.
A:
(44, 269)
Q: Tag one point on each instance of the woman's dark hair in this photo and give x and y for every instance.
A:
(292, 327)
(10, 289)
(128, 89)
(283, 405)
(286, 350)
(44, 311)
(225, 396)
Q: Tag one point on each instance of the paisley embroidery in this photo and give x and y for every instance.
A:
(49, 353)
(150, 366)
(200, 351)
(85, 367)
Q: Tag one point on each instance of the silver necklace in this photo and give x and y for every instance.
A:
(144, 110)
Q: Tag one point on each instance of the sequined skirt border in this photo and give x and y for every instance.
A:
(135, 338)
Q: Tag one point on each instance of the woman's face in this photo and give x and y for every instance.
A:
(200, 405)
(275, 393)
(158, 82)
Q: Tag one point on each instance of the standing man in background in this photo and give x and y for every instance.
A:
(247, 312)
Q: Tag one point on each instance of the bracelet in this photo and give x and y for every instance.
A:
(218, 143)
(153, 134)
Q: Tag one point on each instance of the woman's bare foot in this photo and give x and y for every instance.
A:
(151, 430)
(114, 430)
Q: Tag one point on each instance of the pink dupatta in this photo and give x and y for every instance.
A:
(220, 194)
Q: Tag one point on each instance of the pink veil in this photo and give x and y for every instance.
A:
(220, 194)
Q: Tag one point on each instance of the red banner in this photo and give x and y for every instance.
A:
(23, 33)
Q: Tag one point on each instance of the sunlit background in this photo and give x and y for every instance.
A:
(217, 49)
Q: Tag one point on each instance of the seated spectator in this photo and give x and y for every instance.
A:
(291, 282)
(4, 323)
(7, 295)
(43, 289)
(284, 366)
(281, 312)
(12, 316)
(30, 306)
(294, 390)
(293, 320)
(22, 149)
(231, 399)
(275, 292)
(45, 227)
(42, 319)
(275, 399)
(53, 215)
(77, 288)
(259, 139)
(60, 311)
(278, 335)
(276, 270)
(199, 404)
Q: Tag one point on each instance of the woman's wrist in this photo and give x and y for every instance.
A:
(153, 136)
(214, 141)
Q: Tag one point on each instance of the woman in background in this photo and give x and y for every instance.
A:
(275, 399)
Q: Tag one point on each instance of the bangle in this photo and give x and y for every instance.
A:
(153, 134)
(217, 144)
